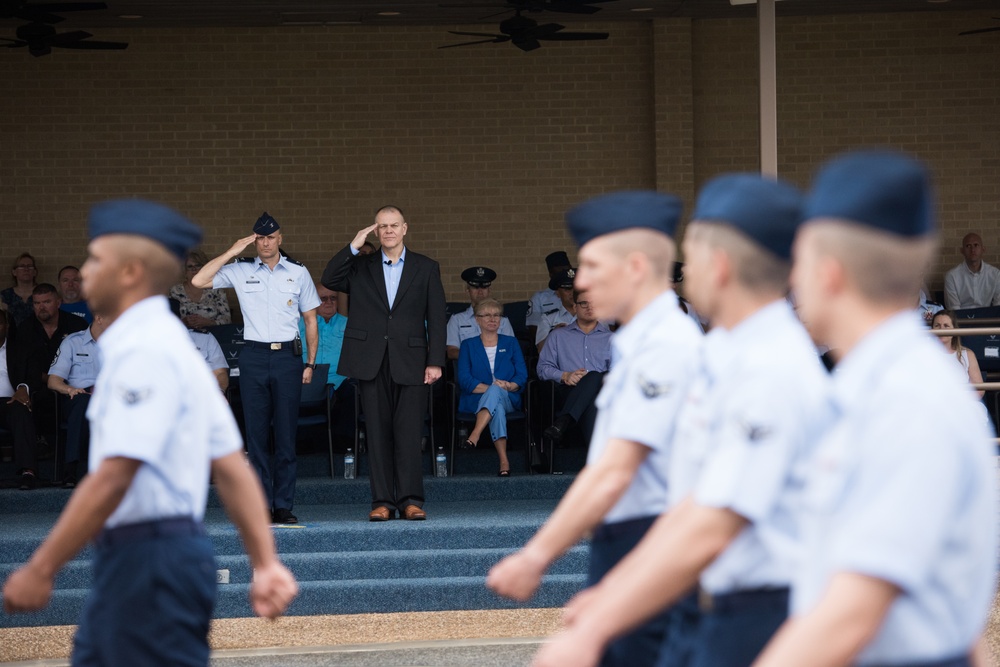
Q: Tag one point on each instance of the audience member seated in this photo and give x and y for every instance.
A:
(545, 300)
(973, 283)
(491, 376)
(565, 310)
(17, 299)
(14, 412)
(69, 292)
(209, 348)
(945, 319)
(29, 356)
(200, 307)
(367, 248)
(72, 376)
(576, 357)
(331, 326)
(461, 326)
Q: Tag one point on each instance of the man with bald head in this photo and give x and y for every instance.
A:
(159, 428)
(973, 283)
(626, 258)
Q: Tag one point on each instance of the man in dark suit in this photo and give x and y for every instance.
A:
(394, 345)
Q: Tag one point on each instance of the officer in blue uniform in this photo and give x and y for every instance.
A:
(901, 543)
(744, 437)
(274, 291)
(159, 428)
(463, 325)
(626, 253)
(72, 375)
(563, 311)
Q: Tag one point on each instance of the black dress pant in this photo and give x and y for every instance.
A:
(394, 415)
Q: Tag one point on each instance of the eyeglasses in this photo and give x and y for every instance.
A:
(583, 304)
(327, 298)
(25, 266)
(490, 316)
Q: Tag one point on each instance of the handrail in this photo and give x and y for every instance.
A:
(976, 331)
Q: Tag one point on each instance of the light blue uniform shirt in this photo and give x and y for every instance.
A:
(78, 360)
(331, 341)
(552, 320)
(540, 303)
(903, 489)
(156, 402)
(745, 434)
(210, 350)
(654, 359)
(463, 325)
(271, 301)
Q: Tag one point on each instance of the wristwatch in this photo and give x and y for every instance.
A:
(311, 366)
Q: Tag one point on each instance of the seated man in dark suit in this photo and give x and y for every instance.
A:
(576, 357)
(14, 415)
(29, 356)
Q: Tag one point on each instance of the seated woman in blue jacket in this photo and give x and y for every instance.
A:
(491, 375)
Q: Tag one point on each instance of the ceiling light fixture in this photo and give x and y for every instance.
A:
(130, 16)
(641, 9)
(746, 2)
(388, 13)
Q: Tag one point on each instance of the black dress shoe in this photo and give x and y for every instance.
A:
(28, 481)
(557, 431)
(283, 515)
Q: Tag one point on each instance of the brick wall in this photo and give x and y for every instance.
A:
(483, 147)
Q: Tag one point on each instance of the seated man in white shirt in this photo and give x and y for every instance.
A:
(973, 283)
(461, 326)
(209, 348)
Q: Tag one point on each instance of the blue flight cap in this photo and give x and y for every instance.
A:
(884, 190)
(145, 218)
(562, 279)
(265, 225)
(766, 210)
(617, 211)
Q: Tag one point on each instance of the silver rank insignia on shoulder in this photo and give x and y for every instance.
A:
(651, 389)
(755, 432)
(134, 396)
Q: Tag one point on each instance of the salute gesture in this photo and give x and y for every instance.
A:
(362, 236)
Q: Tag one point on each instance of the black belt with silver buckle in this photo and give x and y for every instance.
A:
(283, 345)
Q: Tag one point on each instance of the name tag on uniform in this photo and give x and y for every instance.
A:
(253, 282)
(82, 354)
(464, 326)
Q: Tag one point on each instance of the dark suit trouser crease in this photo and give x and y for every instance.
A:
(394, 415)
(21, 423)
(579, 401)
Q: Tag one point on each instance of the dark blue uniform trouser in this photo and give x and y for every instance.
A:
(152, 598)
(271, 390)
(731, 631)
(608, 546)
(77, 427)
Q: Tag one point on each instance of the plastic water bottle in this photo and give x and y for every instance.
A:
(440, 463)
(349, 464)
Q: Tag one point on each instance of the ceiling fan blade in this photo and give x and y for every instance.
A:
(976, 32)
(575, 36)
(94, 45)
(14, 43)
(62, 39)
(480, 41)
(476, 34)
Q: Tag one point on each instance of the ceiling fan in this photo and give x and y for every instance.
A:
(40, 38)
(42, 12)
(562, 6)
(976, 32)
(525, 34)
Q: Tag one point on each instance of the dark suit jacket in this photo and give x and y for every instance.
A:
(30, 351)
(412, 332)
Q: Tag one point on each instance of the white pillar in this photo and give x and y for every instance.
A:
(768, 89)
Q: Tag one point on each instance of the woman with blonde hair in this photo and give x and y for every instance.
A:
(945, 319)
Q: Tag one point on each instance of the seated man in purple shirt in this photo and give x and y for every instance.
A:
(576, 357)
